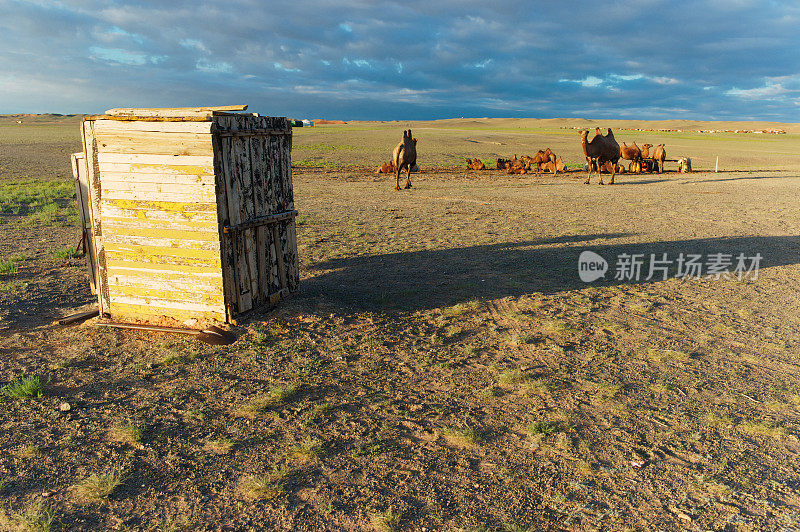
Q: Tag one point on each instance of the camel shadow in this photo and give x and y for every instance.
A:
(419, 280)
(740, 178)
(640, 182)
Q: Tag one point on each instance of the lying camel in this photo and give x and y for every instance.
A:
(608, 167)
(633, 154)
(405, 156)
(385, 168)
(543, 157)
(555, 167)
(475, 164)
(518, 166)
(600, 150)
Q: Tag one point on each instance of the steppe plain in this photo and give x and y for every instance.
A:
(442, 365)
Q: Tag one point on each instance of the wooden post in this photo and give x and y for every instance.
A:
(93, 179)
(716, 166)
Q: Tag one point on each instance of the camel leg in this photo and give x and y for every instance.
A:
(408, 178)
(397, 186)
(613, 172)
(589, 161)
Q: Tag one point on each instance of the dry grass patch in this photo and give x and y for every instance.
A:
(465, 437)
(128, 433)
(387, 521)
(515, 377)
(547, 427)
(30, 451)
(219, 447)
(521, 338)
(643, 307)
(266, 486)
(310, 449)
(38, 517)
(514, 316)
(559, 327)
(168, 524)
(667, 355)
(607, 390)
(769, 430)
(99, 486)
(491, 391)
(468, 307)
(525, 380)
(660, 388)
(274, 397)
(539, 385)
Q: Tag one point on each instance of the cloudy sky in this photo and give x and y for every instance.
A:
(358, 59)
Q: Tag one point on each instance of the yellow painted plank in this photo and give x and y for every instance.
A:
(176, 296)
(151, 143)
(150, 268)
(163, 232)
(162, 255)
(120, 311)
(158, 227)
(146, 213)
(156, 168)
(193, 283)
(169, 243)
(161, 178)
(173, 207)
(206, 161)
(164, 251)
(139, 187)
(188, 196)
(159, 306)
(116, 126)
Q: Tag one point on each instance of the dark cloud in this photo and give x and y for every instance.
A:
(712, 59)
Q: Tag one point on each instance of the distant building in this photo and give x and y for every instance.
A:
(307, 123)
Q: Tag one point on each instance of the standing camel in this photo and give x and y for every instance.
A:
(600, 150)
(405, 156)
(659, 154)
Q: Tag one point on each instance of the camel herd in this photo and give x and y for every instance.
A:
(640, 157)
(544, 160)
(602, 153)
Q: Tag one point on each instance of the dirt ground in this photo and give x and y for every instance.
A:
(443, 366)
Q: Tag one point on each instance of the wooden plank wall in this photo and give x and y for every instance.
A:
(80, 173)
(158, 207)
(93, 179)
(253, 168)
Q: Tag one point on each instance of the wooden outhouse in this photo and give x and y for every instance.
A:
(192, 212)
